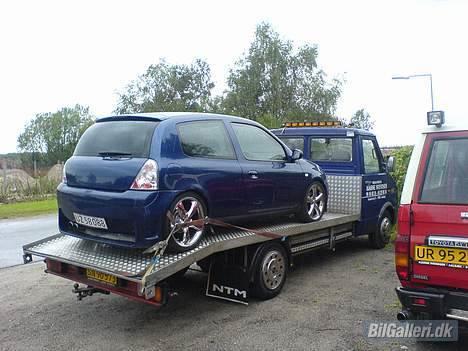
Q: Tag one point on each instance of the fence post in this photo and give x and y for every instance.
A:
(4, 184)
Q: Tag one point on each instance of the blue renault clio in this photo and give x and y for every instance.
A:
(128, 172)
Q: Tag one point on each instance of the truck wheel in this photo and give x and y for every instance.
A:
(204, 264)
(381, 237)
(314, 204)
(270, 271)
(186, 206)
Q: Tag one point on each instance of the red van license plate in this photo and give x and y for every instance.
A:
(442, 256)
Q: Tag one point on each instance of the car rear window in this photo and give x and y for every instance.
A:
(114, 137)
(446, 176)
(331, 149)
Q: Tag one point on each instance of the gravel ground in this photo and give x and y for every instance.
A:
(322, 307)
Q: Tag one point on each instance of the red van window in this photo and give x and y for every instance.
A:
(446, 176)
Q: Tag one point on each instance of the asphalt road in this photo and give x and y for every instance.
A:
(326, 300)
(14, 233)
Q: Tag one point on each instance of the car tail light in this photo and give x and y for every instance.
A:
(64, 174)
(402, 243)
(147, 178)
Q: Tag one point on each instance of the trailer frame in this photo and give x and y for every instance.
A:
(74, 258)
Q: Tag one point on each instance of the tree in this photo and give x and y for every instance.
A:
(52, 136)
(363, 120)
(166, 87)
(273, 79)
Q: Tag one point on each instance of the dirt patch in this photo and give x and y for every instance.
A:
(16, 179)
(55, 173)
(327, 298)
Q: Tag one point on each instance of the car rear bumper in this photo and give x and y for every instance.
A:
(135, 219)
(439, 303)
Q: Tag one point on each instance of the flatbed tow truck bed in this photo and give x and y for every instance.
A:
(105, 268)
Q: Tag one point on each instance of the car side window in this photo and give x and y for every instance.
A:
(205, 139)
(371, 159)
(258, 145)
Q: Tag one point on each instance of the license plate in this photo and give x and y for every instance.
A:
(89, 221)
(101, 277)
(441, 256)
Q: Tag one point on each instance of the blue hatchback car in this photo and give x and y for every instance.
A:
(128, 171)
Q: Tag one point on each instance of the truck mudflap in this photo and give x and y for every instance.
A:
(121, 270)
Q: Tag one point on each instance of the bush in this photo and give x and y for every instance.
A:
(35, 189)
(402, 158)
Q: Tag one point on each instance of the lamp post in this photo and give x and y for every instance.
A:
(420, 75)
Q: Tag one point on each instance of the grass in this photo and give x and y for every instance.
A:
(28, 208)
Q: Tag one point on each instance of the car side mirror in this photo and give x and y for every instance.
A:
(390, 164)
(296, 155)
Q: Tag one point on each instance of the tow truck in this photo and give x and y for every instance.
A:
(241, 262)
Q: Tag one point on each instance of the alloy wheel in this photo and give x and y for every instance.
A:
(315, 201)
(186, 210)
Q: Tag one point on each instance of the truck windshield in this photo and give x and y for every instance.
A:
(331, 149)
(293, 142)
(117, 138)
(446, 176)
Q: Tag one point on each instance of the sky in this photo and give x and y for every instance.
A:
(59, 53)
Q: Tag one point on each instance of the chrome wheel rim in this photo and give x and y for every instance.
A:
(385, 228)
(315, 201)
(186, 210)
(273, 269)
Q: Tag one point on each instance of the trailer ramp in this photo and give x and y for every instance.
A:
(130, 264)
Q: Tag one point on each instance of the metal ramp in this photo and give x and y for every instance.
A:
(130, 264)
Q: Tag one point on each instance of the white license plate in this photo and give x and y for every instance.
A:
(89, 221)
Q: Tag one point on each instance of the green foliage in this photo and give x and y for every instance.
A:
(275, 80)
(52, 136)
(269, 121)
(29, 208)
(166, 87)
(402, 157)
(362, 120)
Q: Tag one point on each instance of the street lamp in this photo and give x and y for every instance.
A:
(420, 75)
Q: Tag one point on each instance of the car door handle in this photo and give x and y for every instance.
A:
(253, 174)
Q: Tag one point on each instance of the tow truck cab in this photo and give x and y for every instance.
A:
(431, 249)
(355, 152)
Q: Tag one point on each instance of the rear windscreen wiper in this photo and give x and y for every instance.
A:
(114, 154)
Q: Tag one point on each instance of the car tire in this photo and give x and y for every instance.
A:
(381, 236)
(314, 203)
(181, 208)
(269, 271)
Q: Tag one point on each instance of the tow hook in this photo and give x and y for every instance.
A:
(404, 315)
(88, 291)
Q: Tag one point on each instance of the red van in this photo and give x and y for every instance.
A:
(431, 249)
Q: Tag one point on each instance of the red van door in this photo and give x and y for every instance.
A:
(439, 234)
